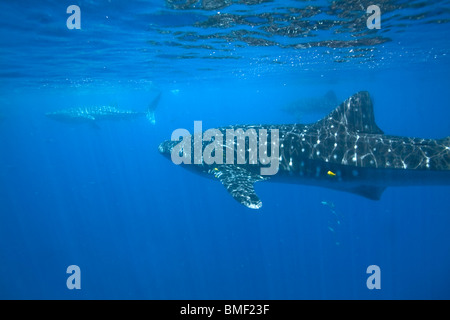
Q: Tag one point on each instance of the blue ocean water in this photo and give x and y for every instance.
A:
(139, 227)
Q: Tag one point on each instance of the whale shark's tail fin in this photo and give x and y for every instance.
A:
(151, 109)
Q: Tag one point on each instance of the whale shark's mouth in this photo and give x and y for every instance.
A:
(161, 147)
(165, 147)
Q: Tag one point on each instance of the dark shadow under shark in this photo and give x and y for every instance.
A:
(344, 151)
(97, 113)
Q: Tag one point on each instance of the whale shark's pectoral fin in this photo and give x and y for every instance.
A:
(91, 120)
(240, 184)
(88, 117)
(94, 125)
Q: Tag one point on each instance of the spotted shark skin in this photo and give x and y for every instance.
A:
(344, 151)
(95, 113)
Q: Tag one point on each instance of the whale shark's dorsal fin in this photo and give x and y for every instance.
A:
(239, 182)
(355, 114)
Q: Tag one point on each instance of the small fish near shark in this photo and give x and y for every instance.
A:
(98, 113)
(344, 151)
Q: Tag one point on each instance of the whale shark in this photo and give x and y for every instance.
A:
(92, 114)
(344, 151)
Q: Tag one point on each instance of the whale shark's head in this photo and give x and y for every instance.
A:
(53, 115)
(179, 151)
(166, 147)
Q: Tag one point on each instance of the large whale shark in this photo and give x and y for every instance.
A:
(94, 113)
(344, 151)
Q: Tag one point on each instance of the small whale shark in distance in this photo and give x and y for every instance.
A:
(344, 151)
(95, 113)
